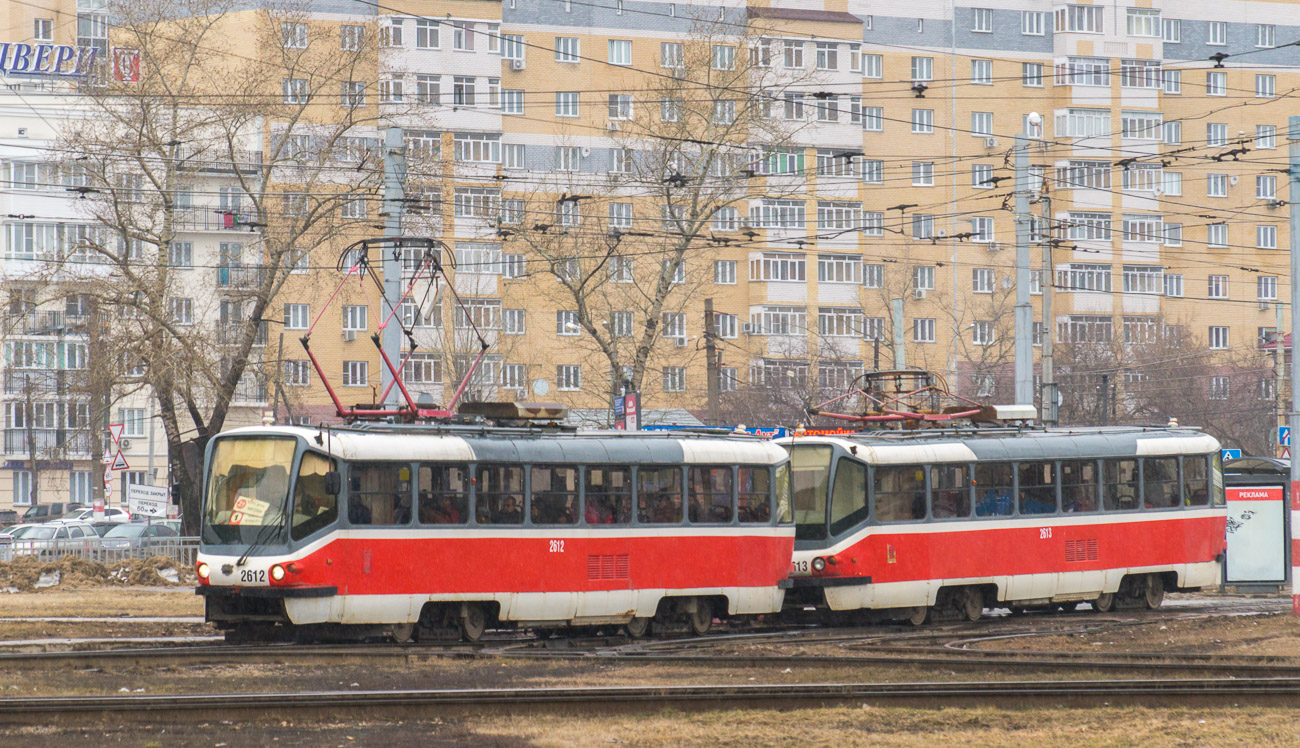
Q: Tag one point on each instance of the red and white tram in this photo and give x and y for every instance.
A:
(441, 531)
(933, 523)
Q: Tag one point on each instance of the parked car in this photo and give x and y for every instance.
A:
(16, 531)
(8, 517)
(113, 514)
(48, 512)
(49, 540)
(103, 526)
(135, 535)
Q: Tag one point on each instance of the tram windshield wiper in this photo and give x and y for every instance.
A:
(259, 539)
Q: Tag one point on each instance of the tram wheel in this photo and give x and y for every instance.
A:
(638, 628)
(403, 633)
(473, 622)
(1104, 603)
(1154, 594)
(701, 618)
(919, 616)
(971, 604)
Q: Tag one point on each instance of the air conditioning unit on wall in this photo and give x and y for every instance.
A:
(518, 65)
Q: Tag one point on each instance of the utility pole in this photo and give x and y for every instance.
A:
(900, 358)
(1293, 173)
(31, 441)
(1105, 395)
(1279, 377)
(394, 201)
(1048, 392)
(1024, 310)
(712, 362)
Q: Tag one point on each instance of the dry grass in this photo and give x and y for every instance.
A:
(177, 601)
(917, 728)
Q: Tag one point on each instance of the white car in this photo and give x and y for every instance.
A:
(115, 514)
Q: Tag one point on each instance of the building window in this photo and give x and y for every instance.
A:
(182, 311)
(1216, 185)
(462, 90)
(725, 325)
(620, 52)
(981, 72)
(295, 91)
(351, 38)
(792, 56)
(1266, 136)
(981, 124)
(1143, 22)
(1216, 84)
(1174, 285)
(982, 280)
(923, 121)
(292, 35)
(981, 20)
(922, 174)
(1031, 74)
(1216, 235)
(1218, 338)
(828, 56)
(297, 373)
(1172, 81)
(566, 323)
(1265, 86)
(724, 272)
(923, 330)
(568, 378)
(426, 34)
(1219, 385)
(672, 55)
(1218, 287)
(922, 69)
(566, 104)
(356, 373)
(354, 318)
(1216, 134)
(982, 332)
(1172, 30)
(873, 66)
(1266, 285)
(1265, 236)
(839, 269)
(1031, 23)
(873, 171)
(1217, 33)
(1265, 35)
(1265, 187)
(566, 49)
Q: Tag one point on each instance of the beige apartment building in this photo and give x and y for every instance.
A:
(861, 165)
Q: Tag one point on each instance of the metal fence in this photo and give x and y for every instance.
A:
(183, 551)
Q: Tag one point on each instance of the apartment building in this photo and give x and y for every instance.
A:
(882, 221)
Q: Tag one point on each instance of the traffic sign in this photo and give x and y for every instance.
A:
(108, 458)
(146, 501)
(1284, 436)
(1231, 454)
(115, 431)
(108, 483)
(119, 462)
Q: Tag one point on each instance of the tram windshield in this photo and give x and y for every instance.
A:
(248, 489)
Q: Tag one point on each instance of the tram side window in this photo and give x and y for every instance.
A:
(444, 494)
(1037, 487)
(848, 495)
(659, 495)
(1196, 482)
(1216, 477)
(499, 495)
(1119, 484)
(1079, 485)
(950, 491)
(1160, 482)
(754, 494)
(784, 487)
(811, 468)
(711, 494)
(993, 489)
(554, 495)
(380, 493)
(900, 493)
(608, 495)
(313, 507)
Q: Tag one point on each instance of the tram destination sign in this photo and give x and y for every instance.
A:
(62, 60)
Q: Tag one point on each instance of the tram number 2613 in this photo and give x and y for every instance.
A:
(1044, 533)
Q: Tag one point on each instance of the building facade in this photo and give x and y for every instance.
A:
(859, 185)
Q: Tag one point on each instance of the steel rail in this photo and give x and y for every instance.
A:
(243, 705)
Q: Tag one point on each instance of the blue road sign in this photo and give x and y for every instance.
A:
(1231, 454)
(1284, 436)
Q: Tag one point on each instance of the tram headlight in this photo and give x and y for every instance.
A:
(819, 564)
(202, 570)
(277, 572)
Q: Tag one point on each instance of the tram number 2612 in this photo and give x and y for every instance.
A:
(557, 546)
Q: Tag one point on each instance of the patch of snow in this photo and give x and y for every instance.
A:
(48, 579)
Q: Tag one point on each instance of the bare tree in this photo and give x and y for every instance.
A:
(691, 145)
(272, 152)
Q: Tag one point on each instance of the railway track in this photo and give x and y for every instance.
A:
(1162, 691)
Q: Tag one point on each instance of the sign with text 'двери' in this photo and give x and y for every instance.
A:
(46, 59)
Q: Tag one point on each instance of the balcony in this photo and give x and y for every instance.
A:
(215, 219)
(49, 443)
(45, 323)
(232, 334)
(43, 382)
(239, 278)
(219, 161)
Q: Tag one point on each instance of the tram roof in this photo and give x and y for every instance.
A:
(494, 444)
(969, 445)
